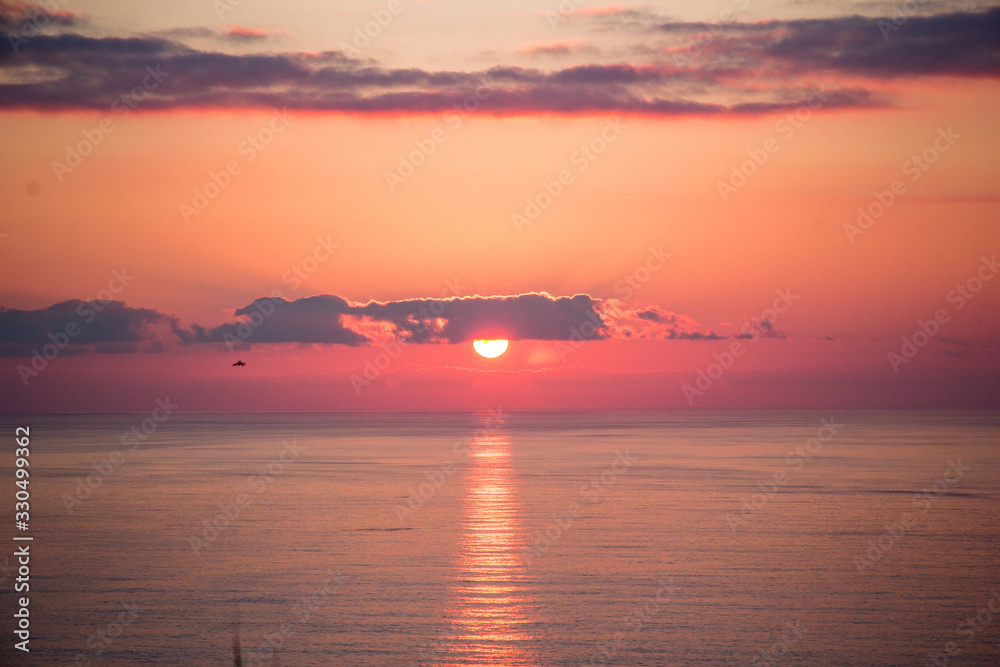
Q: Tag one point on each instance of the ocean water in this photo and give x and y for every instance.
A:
(559, 538)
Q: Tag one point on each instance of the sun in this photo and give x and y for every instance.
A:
(490, 348)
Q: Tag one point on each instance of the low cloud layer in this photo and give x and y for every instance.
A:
(957, 44)
(114, 327)
(690, 68)
(332, 319)
(69, 325)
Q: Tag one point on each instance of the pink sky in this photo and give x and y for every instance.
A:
(672, 172)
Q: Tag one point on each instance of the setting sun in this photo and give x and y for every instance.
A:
(748, 251)
(490, 348)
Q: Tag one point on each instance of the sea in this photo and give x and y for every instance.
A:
(689, 538)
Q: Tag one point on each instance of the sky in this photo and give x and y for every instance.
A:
(738, 204)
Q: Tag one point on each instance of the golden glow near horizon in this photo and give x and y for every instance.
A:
(493, 606)
(869, 208)
(490, 349)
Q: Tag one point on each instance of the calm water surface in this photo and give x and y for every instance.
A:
(646, 538)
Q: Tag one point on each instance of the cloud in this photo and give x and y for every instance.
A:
(604, 10)
(244, 34)
(237, 33)
(333, 319)
(957, 348)
(531, 316)
(894, 8)
(193, 32)
(74, 72)
(617, 14)
(727, 68)
(314, 319)
(115, 328)
(957, 44)
(755, 328)
(561, 48)
(634, 322)
(536, 316)
(110, 325)
(24, 18)
(960, 44)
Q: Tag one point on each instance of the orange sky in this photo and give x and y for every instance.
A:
(317, 179)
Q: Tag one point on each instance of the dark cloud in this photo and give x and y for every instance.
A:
(111, 325)
(332, 319)
(114, 328)
(894, 8)
(532, 316)
(725, 67)
(957, 348)
(755, 329)
(524, 316)
(24, 19)
(95, 72)
(960, 44)
(959, 38)
(628, 322)
(314, 319)
(73, 71)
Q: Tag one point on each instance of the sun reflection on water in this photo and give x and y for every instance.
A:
(492, 612)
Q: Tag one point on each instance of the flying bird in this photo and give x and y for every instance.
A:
(239, 363)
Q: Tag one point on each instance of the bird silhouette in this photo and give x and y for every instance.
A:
(239, 363)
